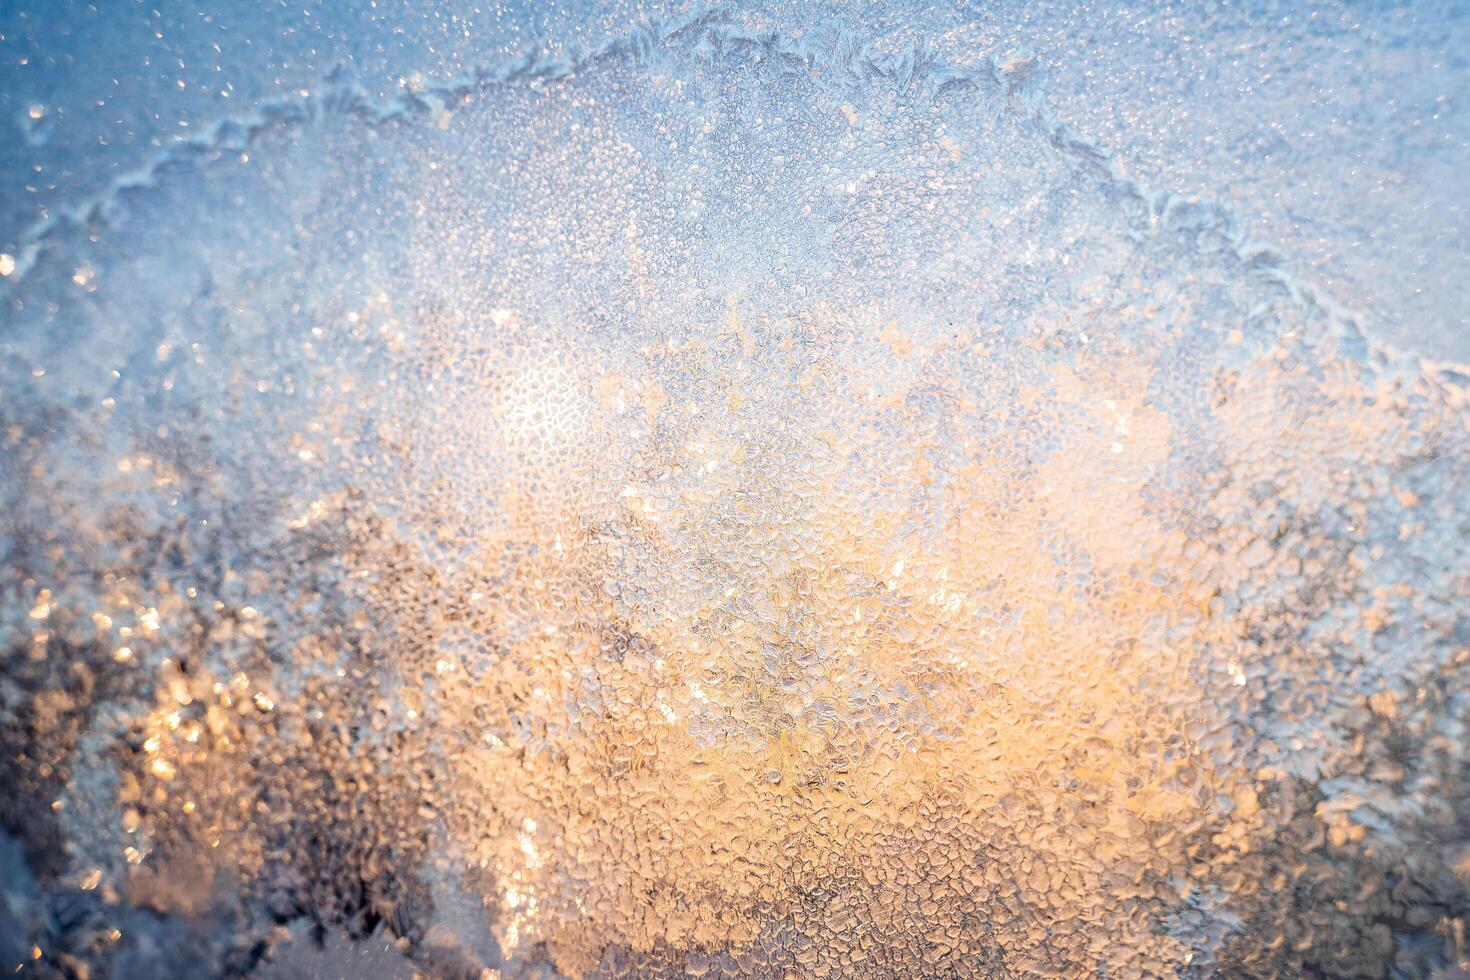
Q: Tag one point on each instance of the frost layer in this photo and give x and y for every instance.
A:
(723, 505)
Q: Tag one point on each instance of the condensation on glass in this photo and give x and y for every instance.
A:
(725, 504)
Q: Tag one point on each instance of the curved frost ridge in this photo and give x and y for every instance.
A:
(837, 54)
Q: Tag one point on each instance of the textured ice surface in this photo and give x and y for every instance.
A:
(1338, 127)
(720, 501)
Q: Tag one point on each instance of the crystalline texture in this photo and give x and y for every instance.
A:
(728, 504)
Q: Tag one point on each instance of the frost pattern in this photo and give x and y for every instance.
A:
(727, 505)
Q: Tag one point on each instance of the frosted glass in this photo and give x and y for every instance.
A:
(778, 492)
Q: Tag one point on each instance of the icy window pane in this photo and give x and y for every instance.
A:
(735, 493)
